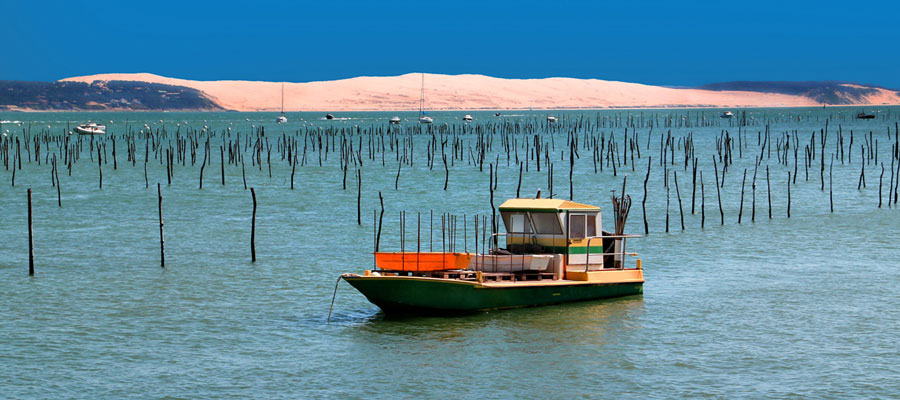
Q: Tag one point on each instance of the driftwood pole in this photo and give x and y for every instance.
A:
(380, 219)
(30, 236)
(831, 184)
(253, 228)
(881, 178)
(769, 191)
(718, 193)
(741, 210)
(162, 240)
(100, 166)
(789, 195)
(678, 192)
(702, 203)
(358, 196)
(694, 190)
(59, 195)
(644, 201)
(753, 189)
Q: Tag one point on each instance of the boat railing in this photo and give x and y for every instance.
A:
(587, 253)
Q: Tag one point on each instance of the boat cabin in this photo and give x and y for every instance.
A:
(555, 226)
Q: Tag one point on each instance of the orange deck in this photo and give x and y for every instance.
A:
(395, 261)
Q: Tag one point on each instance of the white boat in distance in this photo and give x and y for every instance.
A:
(423, 119)
(395, 120)
(282, 119)
(467, 118)
(727, 114)
(551, 118)
(90, 129)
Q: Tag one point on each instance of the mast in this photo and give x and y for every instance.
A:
(282, 98)
(422, 98)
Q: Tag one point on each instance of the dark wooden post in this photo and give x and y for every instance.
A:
(677, 192)
(253, 228)
(162, 241)
(769, 191)
(30, 236)
(644, 201)
(358, 196)
(718, 193)
(702, 203)
(789, 195)
(741, 210)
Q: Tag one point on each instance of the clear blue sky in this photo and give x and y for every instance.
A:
(655, 42)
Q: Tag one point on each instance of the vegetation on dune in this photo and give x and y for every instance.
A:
(101, 95)
(826, 92)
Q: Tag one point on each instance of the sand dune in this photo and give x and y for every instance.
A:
(457, 92)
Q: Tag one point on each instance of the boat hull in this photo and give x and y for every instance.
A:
(413, 295)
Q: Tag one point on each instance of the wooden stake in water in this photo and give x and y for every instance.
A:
(30, 236)
(358, 196)
(162, 240)
(644, 201)
(253, 228)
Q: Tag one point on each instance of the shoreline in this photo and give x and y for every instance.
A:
(625, 108)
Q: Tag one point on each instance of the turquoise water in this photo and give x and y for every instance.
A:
(803, 307)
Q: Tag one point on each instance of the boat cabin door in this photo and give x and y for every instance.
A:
(581, 226)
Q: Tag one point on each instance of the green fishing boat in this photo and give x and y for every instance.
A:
(554, 251)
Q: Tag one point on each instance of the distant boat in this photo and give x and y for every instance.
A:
(497, 114)
(467, 118)
(90, 129)
(863, 115)
(551, 118)
(282, 119)
(395, 120)
(423, 119)
(727, 114)
(329, 116)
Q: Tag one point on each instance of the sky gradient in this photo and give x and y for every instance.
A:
(651, 42)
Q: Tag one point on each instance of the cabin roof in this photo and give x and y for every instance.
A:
(545, 205)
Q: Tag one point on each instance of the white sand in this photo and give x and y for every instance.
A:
(467, 92)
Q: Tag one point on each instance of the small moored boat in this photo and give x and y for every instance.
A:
(281, 119)
(727, 114)
(551, 118)
(863, 115)
(329, 116)
(467, 118)
(394, 120)
(555, 252)
(90, 128)
(423, 119)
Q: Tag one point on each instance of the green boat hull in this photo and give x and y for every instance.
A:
(440, 296)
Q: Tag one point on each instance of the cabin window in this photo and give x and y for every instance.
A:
(582, 226)
(591, 225)
(546, 223)
(576, 226)
(516, 223)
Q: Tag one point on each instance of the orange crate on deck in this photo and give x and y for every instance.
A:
(395, 261)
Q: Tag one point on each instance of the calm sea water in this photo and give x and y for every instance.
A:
(804, 307)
